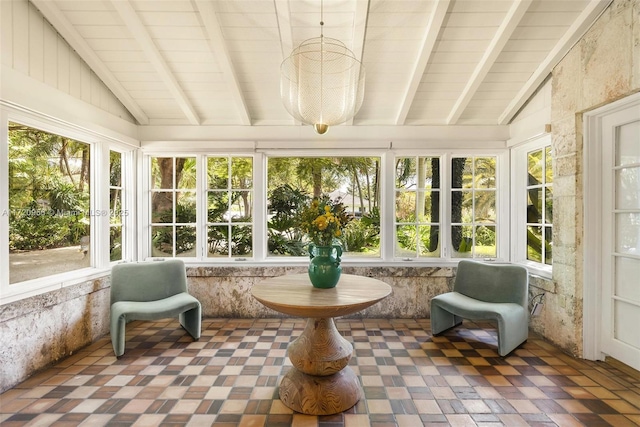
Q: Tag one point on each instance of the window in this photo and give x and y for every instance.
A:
(473, 207)
(293, 181)
(116, 209)
(417, 210)
(49, 203)
(229, 207)
(532, 201)
(173, 207)
(215, 208)
(539, 193)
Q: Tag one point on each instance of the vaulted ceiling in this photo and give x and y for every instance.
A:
(217, 62)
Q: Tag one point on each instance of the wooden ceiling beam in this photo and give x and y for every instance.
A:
(66, 29)
(359, 35)
(500, 39)
(133, 23)
(436, 19)
(209, 21)
(566, 42)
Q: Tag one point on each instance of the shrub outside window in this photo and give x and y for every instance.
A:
(229, 207)
(292, 182)
(49, 196)
(173, 207)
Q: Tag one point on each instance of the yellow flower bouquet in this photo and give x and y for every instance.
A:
(324, 220)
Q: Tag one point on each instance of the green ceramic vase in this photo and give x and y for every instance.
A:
(324, 268)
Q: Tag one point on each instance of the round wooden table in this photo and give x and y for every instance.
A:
(320, 382)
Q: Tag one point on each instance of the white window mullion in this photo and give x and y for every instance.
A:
(4, 203)
(387, 207)
(445, 205)
(260, 236)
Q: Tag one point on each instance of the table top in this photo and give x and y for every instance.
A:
(294, 294)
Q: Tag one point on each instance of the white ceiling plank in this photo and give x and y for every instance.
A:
(430, 36)
(131, 19)
(359, 34)
(573, 34)
(283, 13)
(502, 36)
(66, 29)
(209, 21)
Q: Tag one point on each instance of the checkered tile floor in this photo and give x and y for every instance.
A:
(230, 378)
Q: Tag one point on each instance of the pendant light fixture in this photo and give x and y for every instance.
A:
(322, 82)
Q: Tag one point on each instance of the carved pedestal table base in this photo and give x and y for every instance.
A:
(320, 382)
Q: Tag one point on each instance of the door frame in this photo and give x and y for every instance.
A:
(592, 226)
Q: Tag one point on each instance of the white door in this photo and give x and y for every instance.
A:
(621, 236)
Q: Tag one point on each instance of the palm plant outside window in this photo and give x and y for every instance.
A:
(417, 213)
(473, 207)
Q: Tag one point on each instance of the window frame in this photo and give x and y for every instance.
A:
(99, 192)
(519, 161)
(387, 203)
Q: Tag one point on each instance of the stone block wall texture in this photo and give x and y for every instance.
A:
(38, 331)
(602, 67)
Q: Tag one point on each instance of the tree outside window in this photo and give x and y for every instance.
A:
(539, 206)
(417, 208)
(116, 209)
(473, 207)
(229, 206)
(292, 182)
(173, 207)
(49, 196)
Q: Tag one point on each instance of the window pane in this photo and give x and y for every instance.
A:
(627, 240)
(548, 201)
(241, 240)
(185, 207)
(485, 206)
(242, 172)
(485, 172)
(218, 206)
(185, 241)
(115, 169)
(535, 167)
(241, 206)
(628, 181)
(115, 243)
(162, 207)
(534, 206)
(293, 182)
(406, 241)
(461, 173)
(534, 244)
(548, 247)
(485, 242)
(218, 241)
(218, 172)
(430, 206)
(462, 241)
(161, 241)
(162, 172)
(49, 193)
(549, 165)
(405, 206)
(186, 173)
(115, 204)
(429, 241)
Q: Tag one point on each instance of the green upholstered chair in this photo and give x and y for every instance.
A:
(150, 291)
(486, 291)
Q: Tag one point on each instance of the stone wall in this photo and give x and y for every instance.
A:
(602, 67)
(38, 331)
(225, 291)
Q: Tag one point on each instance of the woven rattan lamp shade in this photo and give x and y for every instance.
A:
(322, 83)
